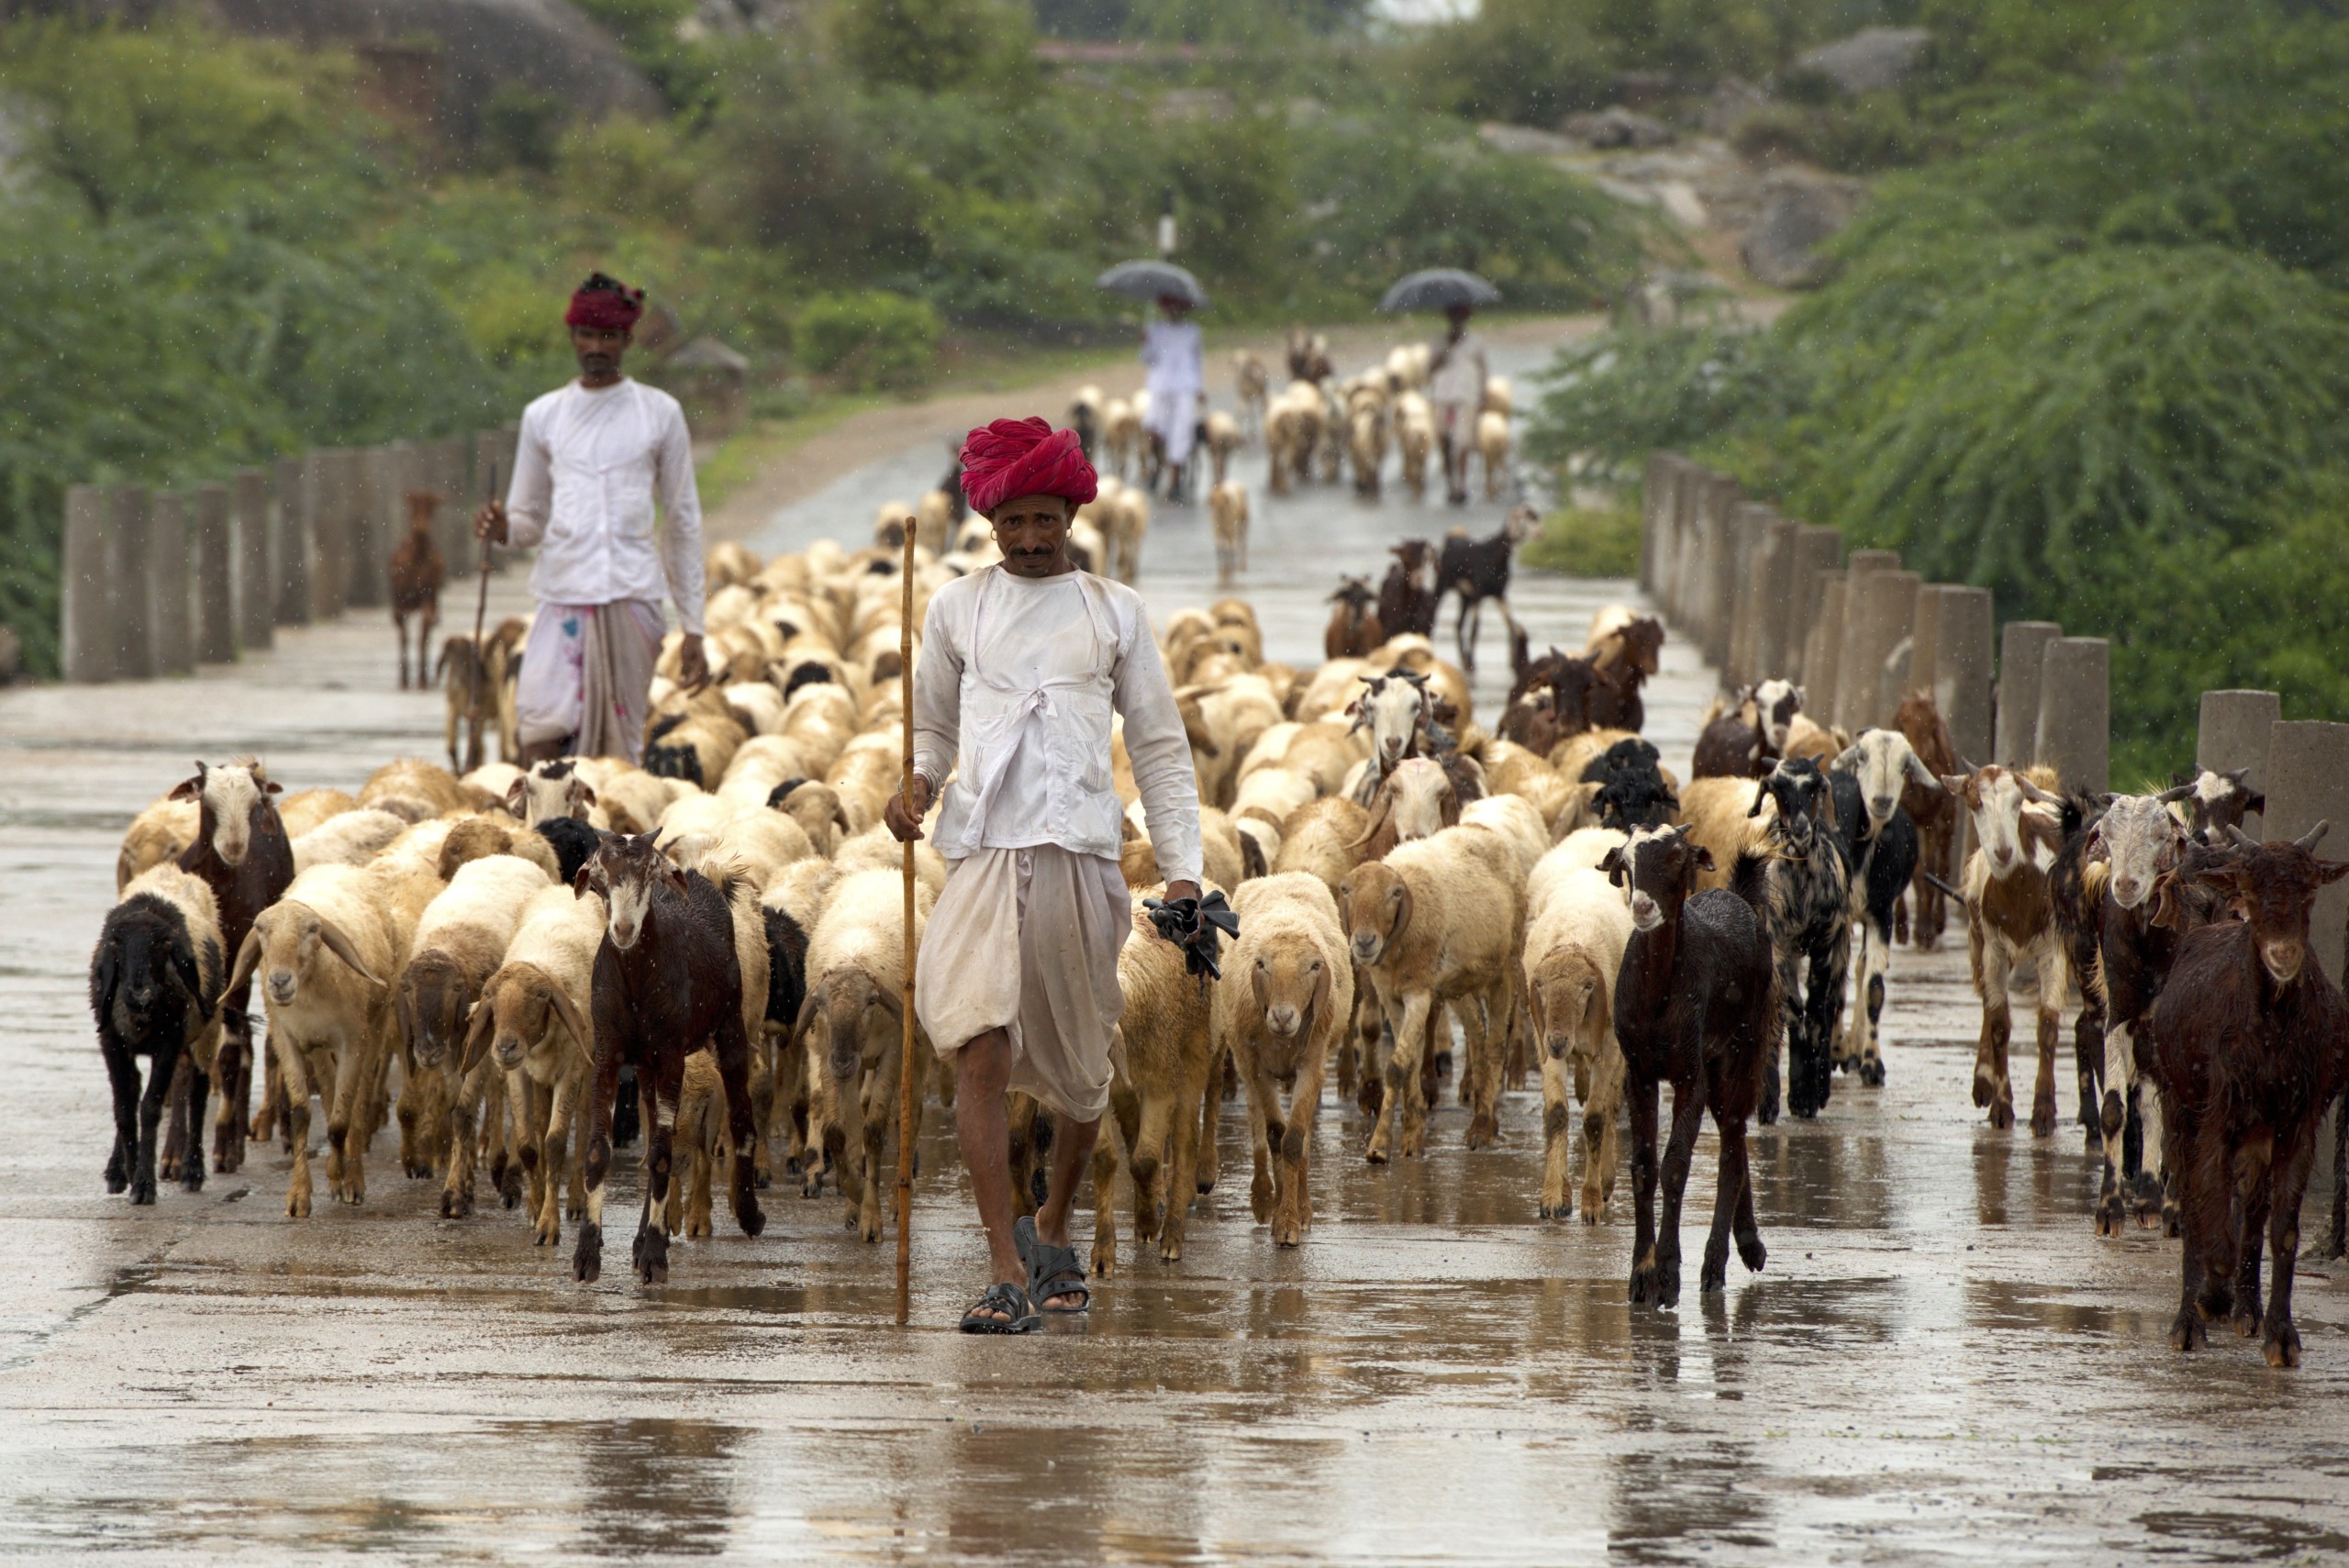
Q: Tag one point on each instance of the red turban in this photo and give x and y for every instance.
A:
(606, 304)
(1012, 458)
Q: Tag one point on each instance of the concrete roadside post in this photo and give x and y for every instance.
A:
(216, 606)
(1892, 614)
(1774, 592)
(85, 641)
(1818, 551)
(1723, 564)
(2308, 782)
(1824, 650)
(377, 520)
(1689, 564)
(2233, 733)
(173, 636)
(448, 472)
(130, 613)
(289, 544)
(1963, 689)
(1924, 638)
(2076, 712)
(1655, 504)
(1748, 591)
(323, 498)
(2023, 648)
(256, 620)
(1856, 673)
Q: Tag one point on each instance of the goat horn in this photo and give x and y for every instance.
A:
(1964, 766)
(2307, 839)
(2033, 794)
(2241, 839)
(2171, 797)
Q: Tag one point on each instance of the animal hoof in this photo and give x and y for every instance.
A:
(1872, 1073)
(652, 1254)
(1288, 1233)
(2247, 1321)
(297, 1206)
(2187, 1333)
(2108, 1217)
(191, 1177)
(2042, 1119)
(2170, 1224)
(456, 1205)
(1752, 1255)
(417, 1169)
(750, 1217)
(1483, 1132)
(1643, 1284)
(1563, 1210)
(2002, 1116)
(1259, 1199)
(765, 1180)
(1985, 1092)
(1714, 1277)
(587, 1258)
(510, 1187)
(143, 1190)
(2283, 1344)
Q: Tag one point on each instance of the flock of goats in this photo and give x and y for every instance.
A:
(529, 959)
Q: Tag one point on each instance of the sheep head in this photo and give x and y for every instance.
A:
(1376, 902)
(283, 944)
(2272, 887)
(430, 1005)
(230, 798)
(518, 1008)
(846, 1000)
(1567, 996)
(1291, 985)
(627, 870)
(1658, 867)
(1881, 761)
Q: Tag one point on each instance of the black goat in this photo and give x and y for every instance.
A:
(575, 842)
(1405, 603)
(1477, 570)
(153, 978)
(1695, 1002)
(1631, 791)
(667, 980)
(1808, 916)
(2076, 882)
(2251, 1043)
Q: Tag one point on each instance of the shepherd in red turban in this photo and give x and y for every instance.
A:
(1011, 458)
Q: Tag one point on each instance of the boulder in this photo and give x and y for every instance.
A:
(1873, 59)
(1617, 126)
(1799, 211)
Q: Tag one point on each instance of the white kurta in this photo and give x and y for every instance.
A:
(589, 467)
(1177, 375)
(1457, 386)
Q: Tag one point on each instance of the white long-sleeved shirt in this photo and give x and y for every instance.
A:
(586, 473)
(1014, 692)
(1176, 374)
(1459, 381)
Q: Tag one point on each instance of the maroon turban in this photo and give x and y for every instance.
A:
(1012, 458)
(606, 304)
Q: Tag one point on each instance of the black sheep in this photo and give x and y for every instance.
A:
(1631, 791)
(573, 841)
(153, 976)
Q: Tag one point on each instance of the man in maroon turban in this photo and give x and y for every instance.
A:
(1022, 666)
(594, 458)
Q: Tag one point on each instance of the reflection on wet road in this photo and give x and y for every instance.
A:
(1941, 1361)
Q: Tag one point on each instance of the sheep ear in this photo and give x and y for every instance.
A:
(582, 1034)
(579, 794)
(1755, 809)
(344, 949)
(271, 786)
(109, 970)
(515, 801)
(1704, 858)
(240, 975)
(184, 965)
(2331, 871)
(584, 882)
(477, 1035)
(189, 789)
(1612, 864)
(2256, 802)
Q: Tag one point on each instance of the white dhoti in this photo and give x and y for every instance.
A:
(587, 677)
(1068, 915)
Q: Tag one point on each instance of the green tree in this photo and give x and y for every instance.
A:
(935, 45)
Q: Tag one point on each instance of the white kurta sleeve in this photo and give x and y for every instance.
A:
(937, 698)
(1161, 753)
(673, 480)
(529, 495)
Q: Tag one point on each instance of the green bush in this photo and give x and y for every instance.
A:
(1585, 543)
(868, 338)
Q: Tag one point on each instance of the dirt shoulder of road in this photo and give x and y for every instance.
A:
(812, 451)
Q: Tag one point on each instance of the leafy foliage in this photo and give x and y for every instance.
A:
(870, 337)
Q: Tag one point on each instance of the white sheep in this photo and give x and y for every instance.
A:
(326, 953)
(531, 1024)
(1574, 948)
(1286, 1000)
(1228, 509)
(855, 998)
(350, 839)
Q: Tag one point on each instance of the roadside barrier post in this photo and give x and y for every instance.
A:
(2023, 646)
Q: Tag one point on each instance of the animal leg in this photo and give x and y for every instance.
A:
(2280, 1340)
(733, 1044)
(2207, 1184)
(1729, 1201)
(1875, 956)
(346, 1125)
(1687, 1116)
(161, 1071)
(1209, 1169)
(1991, 1089)
(464, 1156)
(122, 1077)
(1183, 1180)
(1602, 1115)
(1105, 1212)
(2055, 981)
(660, 1085)
(234, 1070)
(2118, 1079)
(1643, 1097)
(294, 1087)
(1487, 1047)
(2256, 1192)
(1147, 1164)
(268, 1116)
(1292, 1200)
(1261, 1142)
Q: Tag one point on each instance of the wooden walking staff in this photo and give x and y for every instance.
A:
(906, 1047)
(480, 615)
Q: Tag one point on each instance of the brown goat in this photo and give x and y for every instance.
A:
(2251, 1043)
(1354, 628)
(416, 573)
(1933, 811)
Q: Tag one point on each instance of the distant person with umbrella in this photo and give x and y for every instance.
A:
(1457, 371)
(1176, 382)
(1176, 369)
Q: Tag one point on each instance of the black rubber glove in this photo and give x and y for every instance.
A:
(1193, 924)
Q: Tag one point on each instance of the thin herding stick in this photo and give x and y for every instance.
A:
(906, 1047)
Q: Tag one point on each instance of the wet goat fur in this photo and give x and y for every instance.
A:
(679, 985)
(1695, 1005)
(2246, 1065)
(151, 983)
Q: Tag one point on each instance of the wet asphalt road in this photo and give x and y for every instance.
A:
(1941, 1361)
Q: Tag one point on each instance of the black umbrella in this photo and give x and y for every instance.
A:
(1440, 288)
(1153, 280)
